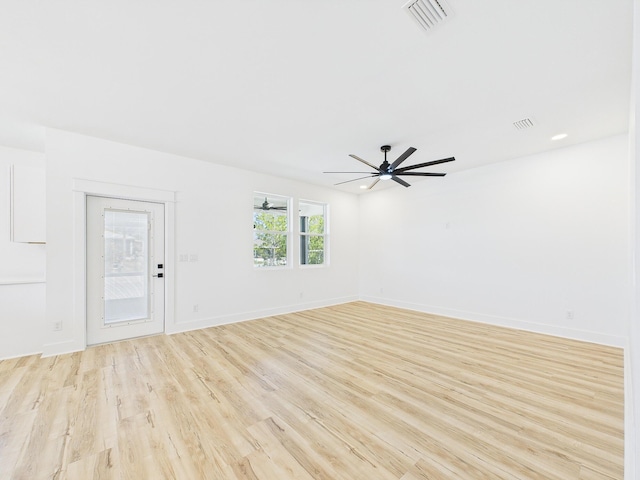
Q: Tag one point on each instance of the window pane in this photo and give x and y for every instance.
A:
(269, 249)
(126, 246)
(312, 253)
(271, 221)
(271, 229)
(315, 224)
(312, 233)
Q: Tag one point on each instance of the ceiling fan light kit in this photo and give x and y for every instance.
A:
(391, 171)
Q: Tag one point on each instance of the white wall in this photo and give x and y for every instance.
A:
(213, 213)
(518, 243)
(22, 271)
(632, 353)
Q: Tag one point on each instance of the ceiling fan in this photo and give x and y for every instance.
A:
(267, 205)
(390, 171)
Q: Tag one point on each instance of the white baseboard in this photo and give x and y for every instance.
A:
(61, 348)
(575, 334)
(20, 355)
(184, 326)
(189, 325)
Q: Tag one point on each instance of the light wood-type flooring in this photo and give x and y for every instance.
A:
(355, 391)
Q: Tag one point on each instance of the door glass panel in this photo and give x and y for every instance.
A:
(126, 266)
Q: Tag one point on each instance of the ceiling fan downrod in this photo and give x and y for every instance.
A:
(385, 174)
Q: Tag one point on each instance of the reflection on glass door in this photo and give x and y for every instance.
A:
(125, 269)
(126, 266)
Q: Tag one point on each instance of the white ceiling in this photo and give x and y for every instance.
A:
(291, 87)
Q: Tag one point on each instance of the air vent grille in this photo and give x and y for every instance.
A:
(428, 13)
(523, 124)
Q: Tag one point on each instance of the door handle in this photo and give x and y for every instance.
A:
(159, 275)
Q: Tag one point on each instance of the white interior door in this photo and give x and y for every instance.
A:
(125, 269)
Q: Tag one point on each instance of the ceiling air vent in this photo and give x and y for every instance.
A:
(523, 124)
(428, 13)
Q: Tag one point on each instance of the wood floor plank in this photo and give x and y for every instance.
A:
(345, 392)
(100, 465)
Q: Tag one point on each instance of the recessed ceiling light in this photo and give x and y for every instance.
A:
(560, 136)
(363, 186)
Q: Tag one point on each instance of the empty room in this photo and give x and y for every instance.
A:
(366, 239)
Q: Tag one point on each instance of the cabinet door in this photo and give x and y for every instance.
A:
(28, 200)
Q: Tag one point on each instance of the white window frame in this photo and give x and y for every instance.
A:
(287, 234)
(304, 236)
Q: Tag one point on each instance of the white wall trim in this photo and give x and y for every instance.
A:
(129, 192)
(546, 329)
(60, 348)
(21, 355)
(80, 268)
(82, 188)
(22, 281)
(254, 315)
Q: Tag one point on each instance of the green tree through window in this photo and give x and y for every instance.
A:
(270, 231)
(312, 234)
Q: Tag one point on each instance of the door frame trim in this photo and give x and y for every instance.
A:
(81, 189)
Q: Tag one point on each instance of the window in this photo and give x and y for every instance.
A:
(313, 233)
(126, 265)
(270, 230)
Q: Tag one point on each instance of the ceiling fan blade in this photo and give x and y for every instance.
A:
(425, 164)
(347, 172)
(400, 181)
(421, 174)
(402, 158)
(356, 179)
(373, 184)
(364, 161)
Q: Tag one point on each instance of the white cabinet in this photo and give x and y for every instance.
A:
(28, 200)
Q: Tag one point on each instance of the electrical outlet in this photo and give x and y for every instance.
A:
(196, 308)
(569, 314)
(184, 257)
(57, 326)
(193, 257)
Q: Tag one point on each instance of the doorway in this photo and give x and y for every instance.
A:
(125, 264)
